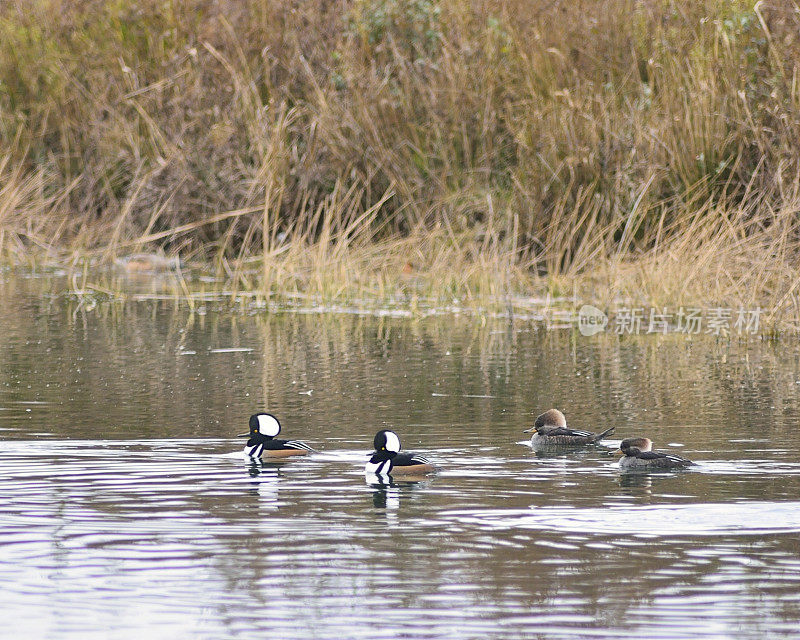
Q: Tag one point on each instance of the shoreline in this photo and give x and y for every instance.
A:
(545, 302)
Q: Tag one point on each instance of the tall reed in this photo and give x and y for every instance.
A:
(470, 148)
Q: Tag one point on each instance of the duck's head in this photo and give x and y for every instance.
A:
(634, 446)
(550, 418)
(387, 441)
(264, 424)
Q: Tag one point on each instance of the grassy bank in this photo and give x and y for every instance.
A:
(614, 148)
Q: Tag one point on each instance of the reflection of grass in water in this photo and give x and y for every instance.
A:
(608, 150)
(670, 388)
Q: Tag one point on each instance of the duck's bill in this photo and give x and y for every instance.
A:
(616, 452)
(529, 430)
(242, 435)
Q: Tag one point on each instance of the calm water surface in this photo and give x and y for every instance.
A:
(127, 511)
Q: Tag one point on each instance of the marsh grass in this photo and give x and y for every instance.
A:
(611, 150)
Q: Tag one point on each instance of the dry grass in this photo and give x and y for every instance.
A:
(644, 150)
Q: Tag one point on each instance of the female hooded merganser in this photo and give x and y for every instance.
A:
(387, 460)
(263, 429)
(551, 430)
(636, 454)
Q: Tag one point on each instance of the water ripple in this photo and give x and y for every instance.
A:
(201, 543)
(698, 519)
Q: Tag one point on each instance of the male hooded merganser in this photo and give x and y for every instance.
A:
(551, 430)
(387, 460)
(636, 454)
(263, 429)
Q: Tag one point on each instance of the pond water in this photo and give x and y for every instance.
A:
(126, 506)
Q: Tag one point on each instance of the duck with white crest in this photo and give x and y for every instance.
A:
(262, 441)
(387, 460)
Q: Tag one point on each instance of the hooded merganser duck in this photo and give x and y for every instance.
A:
(263, 429)
(551, 430)
(637, 454)
(387, 460)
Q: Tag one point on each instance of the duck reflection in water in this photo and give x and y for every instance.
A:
(264, 481)
(387, 492)
(637, 480)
